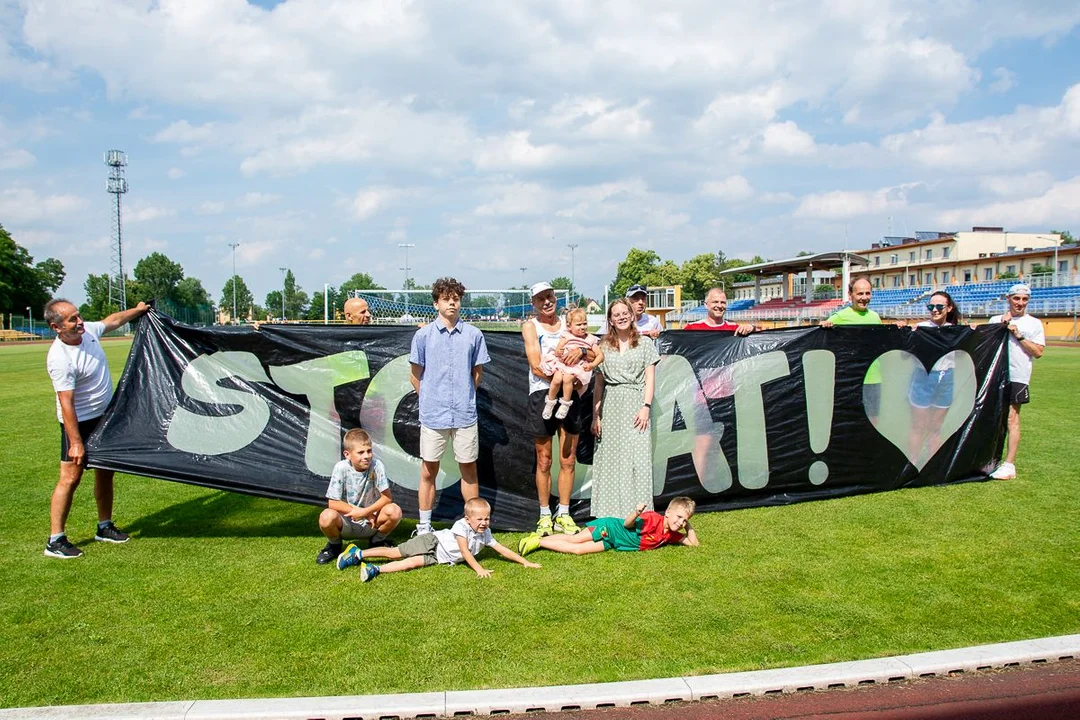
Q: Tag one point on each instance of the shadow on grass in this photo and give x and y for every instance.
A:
(226, 514)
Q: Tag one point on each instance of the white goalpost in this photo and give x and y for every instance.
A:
(495, 308)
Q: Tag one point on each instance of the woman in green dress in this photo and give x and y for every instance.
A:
(624, 382)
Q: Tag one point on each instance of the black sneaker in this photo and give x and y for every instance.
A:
(111, 534)
(381, 542)
(62, 549)
(328, 554)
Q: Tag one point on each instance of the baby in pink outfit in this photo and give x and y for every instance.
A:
(565, 377)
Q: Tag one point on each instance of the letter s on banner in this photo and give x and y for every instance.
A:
(219, 434)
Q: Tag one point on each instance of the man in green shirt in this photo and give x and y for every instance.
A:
(859, 313)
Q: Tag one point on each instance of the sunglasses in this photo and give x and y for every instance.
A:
(936, 307)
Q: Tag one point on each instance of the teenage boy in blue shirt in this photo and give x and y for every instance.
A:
(447, 361)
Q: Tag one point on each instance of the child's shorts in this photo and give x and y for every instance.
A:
(420, 545)
(466, 442)
(355, 530)
(614, 534)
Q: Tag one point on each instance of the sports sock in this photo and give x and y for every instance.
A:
(545, 511)
(425, 517)
(54, 538)
(563, 510)
(102, 524)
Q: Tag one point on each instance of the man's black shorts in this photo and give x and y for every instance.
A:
(1019, 394)
(86, 429)
(537, 426)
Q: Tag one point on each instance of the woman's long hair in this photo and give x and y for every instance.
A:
(952, 315)
(611, 339)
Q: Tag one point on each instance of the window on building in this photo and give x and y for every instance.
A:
(1063, 266)
(945, 252)
(988, 274)
(911, 256)
(929, 253)
(1010, 269)
(929, 279)
(662, 298)
(967, 276)
(944, 278)
(877, 282)
(896, 279)
(877, 260)
(913, 280)
(893, 259)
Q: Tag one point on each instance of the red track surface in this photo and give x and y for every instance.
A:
(1048, 691)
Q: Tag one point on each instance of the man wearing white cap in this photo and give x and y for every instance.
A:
(646, 324)
(1026, 344)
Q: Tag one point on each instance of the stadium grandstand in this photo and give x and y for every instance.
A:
(975, 267)
(494, 307)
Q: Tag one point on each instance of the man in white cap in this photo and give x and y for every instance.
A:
(646, 324)
(1026, 344)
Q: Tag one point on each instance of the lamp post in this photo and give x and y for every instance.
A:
(406, 247)
(573, 283)
(283, 271)
(30, 315)
(523, 303)
(234, 246)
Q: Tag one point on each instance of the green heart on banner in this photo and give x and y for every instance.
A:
(920, 410)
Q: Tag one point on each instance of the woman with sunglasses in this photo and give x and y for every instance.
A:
(931, 396)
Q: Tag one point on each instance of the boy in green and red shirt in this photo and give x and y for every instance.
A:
(641, 530)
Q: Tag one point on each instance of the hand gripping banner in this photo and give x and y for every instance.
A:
(773, 418)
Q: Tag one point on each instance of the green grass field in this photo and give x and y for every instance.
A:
(218, 595)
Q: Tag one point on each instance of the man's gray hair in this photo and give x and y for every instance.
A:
(52, 317)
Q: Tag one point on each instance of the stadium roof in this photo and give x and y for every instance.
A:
(821, 261)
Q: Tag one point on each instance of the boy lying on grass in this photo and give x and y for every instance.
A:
(641, 530)
(461, 543)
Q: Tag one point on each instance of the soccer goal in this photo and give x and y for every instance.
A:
(496, 308)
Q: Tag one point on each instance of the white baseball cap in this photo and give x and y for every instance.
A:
(539, 288)
(1019, 289)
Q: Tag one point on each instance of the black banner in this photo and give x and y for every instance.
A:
(773, 418)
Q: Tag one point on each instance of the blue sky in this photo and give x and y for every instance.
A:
(491, 135)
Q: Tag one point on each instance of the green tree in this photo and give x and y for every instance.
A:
(23, 284)
(702, 272)
(359, 281)
(1007, 275)
(273, 304)
(190, 293)
(97, 305)
(244, 298)
(736, 262)
(637, 265)
(1066, 237)
(296, 300)
(1040, 269)
(159, 276)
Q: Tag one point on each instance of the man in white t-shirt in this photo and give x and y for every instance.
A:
(646, 324)
(80, 377)
(1025, 346)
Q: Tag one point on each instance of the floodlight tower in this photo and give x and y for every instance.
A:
(116, 186)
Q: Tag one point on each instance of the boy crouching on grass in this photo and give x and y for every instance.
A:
(460, 543)
(641, 530)
(359, 505)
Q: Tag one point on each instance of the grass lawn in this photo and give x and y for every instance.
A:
(218, 595)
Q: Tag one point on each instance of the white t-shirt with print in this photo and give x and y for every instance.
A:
(448, 551)
(1020, 362)
(84, 369)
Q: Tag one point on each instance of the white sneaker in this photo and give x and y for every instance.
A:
(422, 529)
(1005, 471)
(549, 407)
